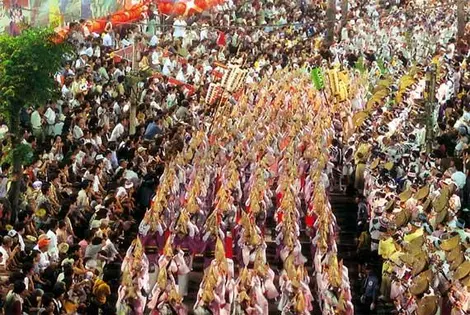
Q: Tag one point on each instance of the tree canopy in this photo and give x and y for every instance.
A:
(28, 63)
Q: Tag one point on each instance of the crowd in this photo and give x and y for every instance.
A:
(411, 171)
(114, 208)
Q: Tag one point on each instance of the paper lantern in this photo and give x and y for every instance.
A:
(179, 8)
(203, 4)
(165, 8)
(101, 24)
(117, 18)
(95, 27)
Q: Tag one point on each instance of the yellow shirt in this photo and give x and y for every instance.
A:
(409, 237)
(386, 248)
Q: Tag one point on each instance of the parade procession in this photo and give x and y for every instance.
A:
(235, 157)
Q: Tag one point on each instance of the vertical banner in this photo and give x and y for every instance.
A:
(55, 17)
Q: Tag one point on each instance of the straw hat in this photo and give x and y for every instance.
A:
(450, 243)
(423, 192)
(404, 196)
(388, 166)
(40, 213)
(401, 218)
(466, 281)
(407, 259)
(457, 262)
(418, 242)
(420, 284)
(389, 205)
(440, 203)
(441, 216)
(462, 271)
(427, 305)
(445, 191)
(419, 264)
(31, 238)
(453, 254)
(63, 248)
(375, 163)
(426, 204)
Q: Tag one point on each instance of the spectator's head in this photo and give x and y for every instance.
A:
(20, 227)
(43, 245)
(19, 287)
(28, 268)
(53, 224)
(47, 302)
(7, 242)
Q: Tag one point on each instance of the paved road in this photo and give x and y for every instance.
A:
(345, 210)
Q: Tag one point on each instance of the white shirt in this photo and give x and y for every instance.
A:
(110, 249)
(36, 120)
(82, 199)
(155, 58)
(107, 40)
(21, 242)
(97, 142)
(80, 63)
(53, 250)
(5, 256)
(179, 28)
(50, 116)
(77, 132)
(154, 40)
(118, 131)
(96, 182)
(43, 259)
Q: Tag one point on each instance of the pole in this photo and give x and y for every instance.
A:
(134, 93)
(330, 21)
(344, 13)
(461, 19)
(429, 105)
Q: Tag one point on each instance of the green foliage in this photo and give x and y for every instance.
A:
(22, 152)
(27, 65)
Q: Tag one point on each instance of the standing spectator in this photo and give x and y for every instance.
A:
(362, 214)
(14, 300)
(371, 289)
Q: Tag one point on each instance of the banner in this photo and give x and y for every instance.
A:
(124, 53)
(317, 78)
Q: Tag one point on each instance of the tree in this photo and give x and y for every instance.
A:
(330, 22)
(344, 13)
(28, 63)
(461, 19)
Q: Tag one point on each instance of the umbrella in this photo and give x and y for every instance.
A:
(460, 179)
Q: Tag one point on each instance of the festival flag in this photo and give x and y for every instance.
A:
(317, 78)
(221, 41)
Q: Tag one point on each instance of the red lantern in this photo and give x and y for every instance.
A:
(134, 14)
(203, 4)
(165, 8)
(179, 8)
(95, 27)
(116, 18)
